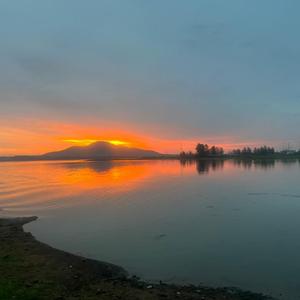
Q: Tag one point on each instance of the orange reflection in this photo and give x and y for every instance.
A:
(29, 186)
(43, 185)
(115, 175)
(93, 175)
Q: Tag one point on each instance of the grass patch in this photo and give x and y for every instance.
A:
(14, 290)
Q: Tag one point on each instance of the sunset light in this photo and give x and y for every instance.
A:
(86, 142)
(82, 142)
(118, 143)
(158, 137)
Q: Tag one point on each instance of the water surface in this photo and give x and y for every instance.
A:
(232, 223)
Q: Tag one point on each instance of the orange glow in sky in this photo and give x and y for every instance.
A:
(33, 137)
(86, 142)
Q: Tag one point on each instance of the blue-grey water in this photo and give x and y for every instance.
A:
(232, 223)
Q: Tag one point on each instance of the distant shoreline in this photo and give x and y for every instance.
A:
(162, 157)
(105, 151)
(33, 270)
(27, 158)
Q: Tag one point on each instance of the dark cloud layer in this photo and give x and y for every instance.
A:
(191, 68)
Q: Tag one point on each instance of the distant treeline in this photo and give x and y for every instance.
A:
(206, 151)
(264, 150)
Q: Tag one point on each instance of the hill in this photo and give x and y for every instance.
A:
(97, 150)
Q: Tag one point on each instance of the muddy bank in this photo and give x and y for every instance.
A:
(32, 270)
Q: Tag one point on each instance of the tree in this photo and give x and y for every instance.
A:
(246, 151)
(213, 150)
(220, 151)
(236, 152)
(202, 150)
(182, 154)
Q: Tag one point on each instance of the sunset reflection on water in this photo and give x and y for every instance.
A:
(53, 184)
(115, 210)
(40, 184)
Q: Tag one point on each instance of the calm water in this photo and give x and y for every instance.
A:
(231, 223)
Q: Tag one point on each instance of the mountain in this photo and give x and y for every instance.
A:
(100, 150)
(97, 150)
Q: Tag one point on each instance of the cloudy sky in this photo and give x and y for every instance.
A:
(163, 74)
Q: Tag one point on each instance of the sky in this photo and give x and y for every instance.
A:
(161, 74)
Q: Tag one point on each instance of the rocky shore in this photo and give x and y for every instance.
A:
(31, 270)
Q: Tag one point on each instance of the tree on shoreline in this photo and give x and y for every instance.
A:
(203, 150)
(260, 151)
(206, 151)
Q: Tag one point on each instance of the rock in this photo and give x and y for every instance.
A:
(17, 221)
(99, 292)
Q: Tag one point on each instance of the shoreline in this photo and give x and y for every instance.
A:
(31, 270)
(162, 157)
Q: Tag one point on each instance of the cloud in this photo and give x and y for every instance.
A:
(171, 69)
(43, 69)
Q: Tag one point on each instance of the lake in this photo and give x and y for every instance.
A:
(219, 223)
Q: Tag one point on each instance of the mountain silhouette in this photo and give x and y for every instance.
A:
(100, 150)
(97, 150)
